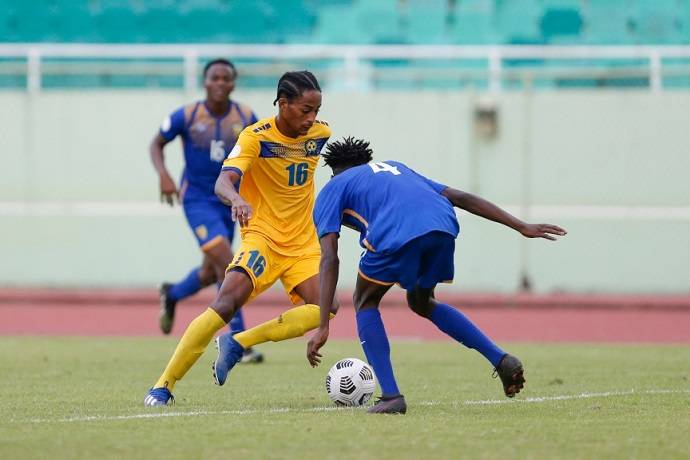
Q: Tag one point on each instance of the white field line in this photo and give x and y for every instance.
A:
(283, 410)
(153, 209)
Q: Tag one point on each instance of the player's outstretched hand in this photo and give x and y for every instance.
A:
(169, 192)
(543, 231)
(241, 211)
(315, 343)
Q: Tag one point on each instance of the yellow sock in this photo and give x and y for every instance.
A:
(293, 323)
(192, 345)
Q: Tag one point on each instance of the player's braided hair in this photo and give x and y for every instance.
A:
(220, 61)
(347, 152)
(294, 84)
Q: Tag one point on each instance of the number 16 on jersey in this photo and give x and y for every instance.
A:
(298, 173)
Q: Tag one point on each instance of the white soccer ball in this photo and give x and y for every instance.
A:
(350, 382)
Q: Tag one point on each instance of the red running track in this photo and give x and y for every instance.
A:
(558, 318)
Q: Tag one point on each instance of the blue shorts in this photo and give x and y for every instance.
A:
(209, 219)
(423, 262)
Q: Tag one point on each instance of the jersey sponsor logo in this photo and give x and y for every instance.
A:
(262, 128)
(201, 231)
(235, 152)
(217, 152)
(166, 124)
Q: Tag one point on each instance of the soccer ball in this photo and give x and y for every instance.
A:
(350, 382)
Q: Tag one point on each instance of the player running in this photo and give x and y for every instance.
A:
(275, 158)
(209, 130)
(408, 228)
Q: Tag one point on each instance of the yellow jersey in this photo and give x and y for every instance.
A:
(278, 182)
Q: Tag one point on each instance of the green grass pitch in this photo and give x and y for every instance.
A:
(82, 398)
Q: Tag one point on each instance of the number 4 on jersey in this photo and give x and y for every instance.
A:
(381, 166)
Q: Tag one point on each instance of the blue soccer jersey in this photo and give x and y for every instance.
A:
(387, 202)
(207, 139)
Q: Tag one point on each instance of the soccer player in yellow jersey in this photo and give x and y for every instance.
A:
(275, 159)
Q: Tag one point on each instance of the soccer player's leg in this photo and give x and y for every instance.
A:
(259, 267)
(433, 260)
(213, 227)
(224, 225)
(299, 276)
(373, 281)
(234, 292)
(171, 294)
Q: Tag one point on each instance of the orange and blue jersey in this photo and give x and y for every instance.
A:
(388, 203)
(278, 182)
(206, 139)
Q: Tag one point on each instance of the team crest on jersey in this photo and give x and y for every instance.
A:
(198, 127)
(201, 232)
(310, 146)
(237, 128)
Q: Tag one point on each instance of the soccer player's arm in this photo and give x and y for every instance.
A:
(172, 126)
(488, 210)
(239, 161)
(327, 219)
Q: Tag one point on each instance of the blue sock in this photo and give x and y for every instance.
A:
(236, 324)
(374, 341)
(459, 327)
(187, 287)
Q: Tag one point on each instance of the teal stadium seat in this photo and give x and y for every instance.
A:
(32, 22)
(684, 18)
(248, 23)
(338, 24)
(656, 22)
(164, 25)
(292, 20)
(201, 25)
(75, 22)
(427, 21)
(561, 25)
(120, 25)
(605, 23)
(379, 21)
(517, 20)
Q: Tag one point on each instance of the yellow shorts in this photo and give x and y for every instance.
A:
(265, 266)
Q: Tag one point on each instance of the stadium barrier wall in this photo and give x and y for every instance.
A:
(79, 199)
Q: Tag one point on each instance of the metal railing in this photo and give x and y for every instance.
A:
(355, 66)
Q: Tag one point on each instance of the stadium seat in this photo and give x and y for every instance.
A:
(379, 21)
(560, 23)
(605, 23)
(119, 25)
(517, 20)
(338, 24)
(473, 29)
(426, 21)
(655, 22)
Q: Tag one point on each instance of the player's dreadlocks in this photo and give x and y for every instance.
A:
(293, 84)
(220, 61)
(348, 152)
